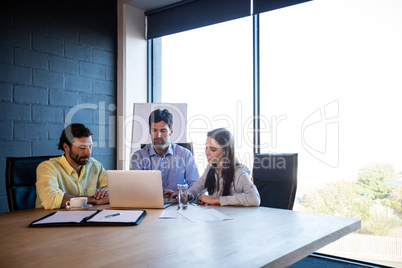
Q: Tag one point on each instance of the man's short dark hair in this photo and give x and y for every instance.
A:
(73, 131)
(161, 115)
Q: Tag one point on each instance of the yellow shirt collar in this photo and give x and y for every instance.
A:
(66, 166)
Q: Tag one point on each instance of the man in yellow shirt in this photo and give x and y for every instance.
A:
(73, 174)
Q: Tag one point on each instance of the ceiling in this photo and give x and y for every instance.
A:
(149, 4)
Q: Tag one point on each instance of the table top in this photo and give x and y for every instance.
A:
(255, 237)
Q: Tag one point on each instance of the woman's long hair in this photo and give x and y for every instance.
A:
(226, 141)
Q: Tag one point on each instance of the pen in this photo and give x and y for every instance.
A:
(112, 215)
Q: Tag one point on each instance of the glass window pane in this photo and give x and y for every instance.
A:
(330, 82)
(210, 69)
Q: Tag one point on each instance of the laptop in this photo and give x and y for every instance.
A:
(136, 189)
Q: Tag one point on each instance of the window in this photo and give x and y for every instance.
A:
(330, 77)
(210, 69)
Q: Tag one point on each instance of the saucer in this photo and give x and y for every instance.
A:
(83, 208)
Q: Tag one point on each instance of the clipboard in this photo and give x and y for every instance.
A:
(90, 218)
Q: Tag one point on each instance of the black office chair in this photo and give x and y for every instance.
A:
(275, 176)
(20, 181)
(187, 145)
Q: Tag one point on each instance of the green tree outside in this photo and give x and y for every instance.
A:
(341, 198)
(395, 199)
(375, 180)
(357, 199)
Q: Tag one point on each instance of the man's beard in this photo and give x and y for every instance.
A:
(161, 145)
(79, 160)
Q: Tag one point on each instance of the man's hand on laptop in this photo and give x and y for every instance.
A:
(169, 194)
(100, 197)
(100, 193)
(93, 201)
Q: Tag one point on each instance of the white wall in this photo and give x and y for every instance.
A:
(132, 75)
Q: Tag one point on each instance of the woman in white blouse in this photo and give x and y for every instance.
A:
(226, 181)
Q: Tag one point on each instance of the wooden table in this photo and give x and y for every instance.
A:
(255, 237)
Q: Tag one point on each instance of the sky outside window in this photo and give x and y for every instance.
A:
(211, 69)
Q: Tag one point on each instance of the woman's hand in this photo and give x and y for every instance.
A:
(206, 199)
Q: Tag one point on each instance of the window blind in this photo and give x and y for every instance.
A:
(191, 14)
(260, 6)
(187, 15)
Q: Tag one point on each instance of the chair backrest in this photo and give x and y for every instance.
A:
(275, 176)
(20, 181)
(187, 145)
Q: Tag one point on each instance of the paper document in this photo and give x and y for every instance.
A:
(110, 215)
(167, 214)
(66, 216)
(200, 215)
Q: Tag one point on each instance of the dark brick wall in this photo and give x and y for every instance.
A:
(58, 63)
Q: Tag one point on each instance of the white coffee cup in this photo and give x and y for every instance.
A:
(77, 202)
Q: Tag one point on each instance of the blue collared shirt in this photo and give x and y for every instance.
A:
(177, 165)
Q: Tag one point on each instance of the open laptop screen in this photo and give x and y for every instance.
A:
(135, 188)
